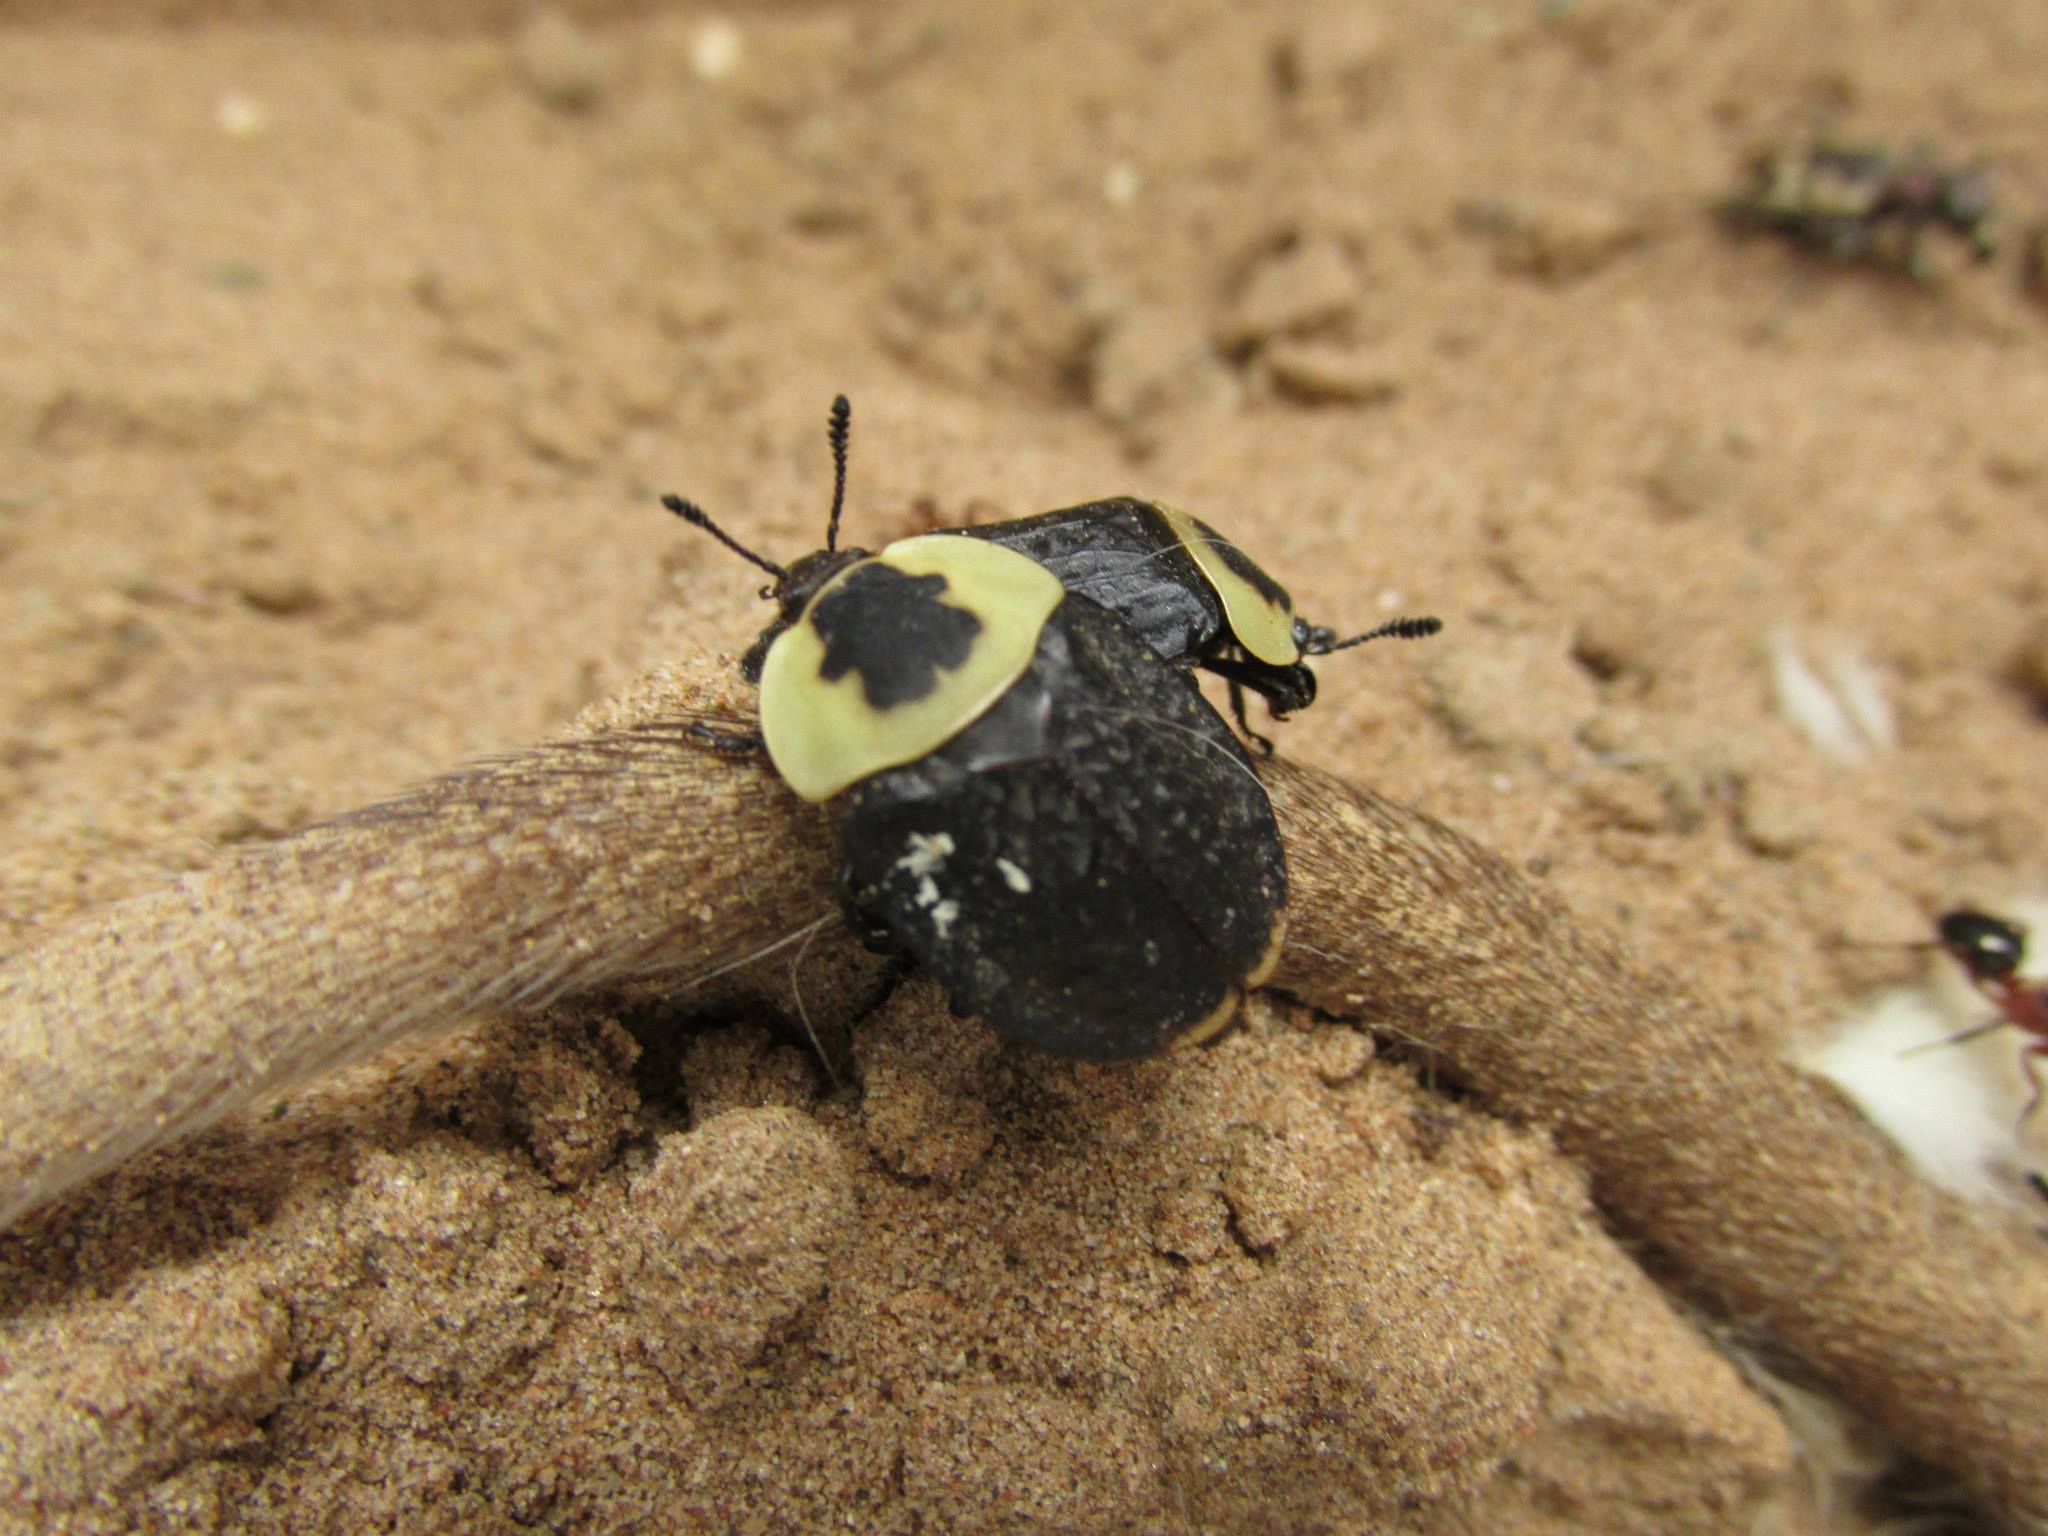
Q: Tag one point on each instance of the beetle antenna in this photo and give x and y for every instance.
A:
(837, 432)
(697, 517)
(1393, 629)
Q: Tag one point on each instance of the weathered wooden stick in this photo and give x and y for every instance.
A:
(1769, 1192)
(620, 854)
(631, 851)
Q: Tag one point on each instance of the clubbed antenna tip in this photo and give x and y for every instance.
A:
(1393, 629)
(697, 517)
(839, 433)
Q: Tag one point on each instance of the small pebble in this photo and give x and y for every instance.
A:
(1515, 690)
(1696, 473)
(716, 48)
(1148, 367)
(1335, 48)
(1121, 184)
(1774, 819)
(1308, 287)
(2030, 667)
(563, 65)
(1322, 373)
(1554, 240)
(240, 116)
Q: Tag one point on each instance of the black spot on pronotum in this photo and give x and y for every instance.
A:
(892, 629)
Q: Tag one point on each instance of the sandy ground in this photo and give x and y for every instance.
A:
(340, 367)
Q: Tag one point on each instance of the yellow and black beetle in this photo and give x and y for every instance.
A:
(1193, 595)
(1038, 804)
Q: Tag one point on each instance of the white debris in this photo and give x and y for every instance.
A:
(1847, 715)
(944, 915)
(240, 116)
(1861, 689)
(927, 853)
(715, 49)
(1014, 877)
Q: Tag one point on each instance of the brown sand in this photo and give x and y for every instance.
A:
(321, 430)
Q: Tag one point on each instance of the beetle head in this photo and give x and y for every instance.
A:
(797, 583)
(791, 593)
(1312, 639)
(1289, 689)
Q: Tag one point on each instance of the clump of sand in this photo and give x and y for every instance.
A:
(1278, 1279)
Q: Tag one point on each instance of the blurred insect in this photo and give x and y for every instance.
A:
(1867, 204)
(1990, 951)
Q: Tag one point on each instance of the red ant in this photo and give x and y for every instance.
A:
(1989, 950)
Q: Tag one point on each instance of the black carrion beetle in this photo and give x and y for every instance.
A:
(1035, 803)
(1192, 594)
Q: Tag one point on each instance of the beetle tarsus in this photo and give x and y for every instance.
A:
(1244, 725)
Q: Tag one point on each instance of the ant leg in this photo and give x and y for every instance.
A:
(727, 743)
(1263, 743)
(1958, 1038)
(2030, 1064)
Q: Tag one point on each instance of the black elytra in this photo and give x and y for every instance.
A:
(1036, 804)
(1093, 866)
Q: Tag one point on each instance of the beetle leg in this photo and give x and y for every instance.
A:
(728, 743)
(1285, 689)
(866, 924)
(1263, 743)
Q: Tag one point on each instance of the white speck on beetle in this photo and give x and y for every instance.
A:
(927, 853)
(1014, 877)
(927, 891)
(944, 915)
